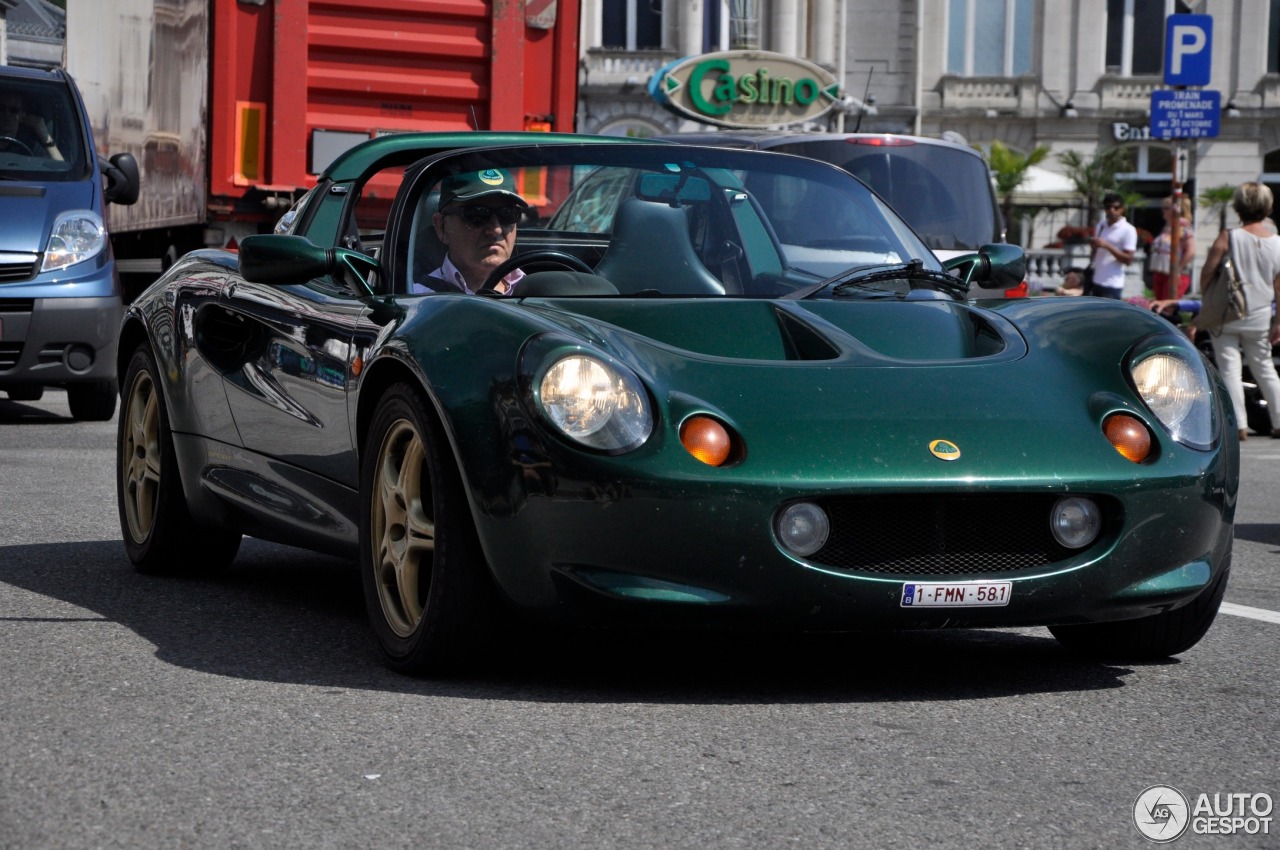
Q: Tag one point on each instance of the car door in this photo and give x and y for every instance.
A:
(288, 392)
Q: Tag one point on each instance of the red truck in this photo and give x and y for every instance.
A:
(232, 107)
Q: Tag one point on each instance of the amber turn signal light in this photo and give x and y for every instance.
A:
(1129, 436)
(706, 439)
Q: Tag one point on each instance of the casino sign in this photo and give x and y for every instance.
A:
(745, 89)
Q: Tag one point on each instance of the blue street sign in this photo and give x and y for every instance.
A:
(1185, 114)
(1188, 44)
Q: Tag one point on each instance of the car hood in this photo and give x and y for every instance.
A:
(28, 209)
(830, 332)
(864, 388)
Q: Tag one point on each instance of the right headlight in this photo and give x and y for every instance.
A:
(1177, 392)
(595, 403)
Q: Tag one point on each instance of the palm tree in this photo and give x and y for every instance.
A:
(1217, 199)
(1096, 175)
(1010, 171)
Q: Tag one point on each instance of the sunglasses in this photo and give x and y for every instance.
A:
(12, 110)
(478, 215)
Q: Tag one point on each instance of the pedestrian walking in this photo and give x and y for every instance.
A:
(1255, 250)
(1114, 242)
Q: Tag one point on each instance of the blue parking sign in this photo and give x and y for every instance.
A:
(1188, 46)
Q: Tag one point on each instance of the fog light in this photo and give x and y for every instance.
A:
(1075, 521)
(79, 358)
(803, 528)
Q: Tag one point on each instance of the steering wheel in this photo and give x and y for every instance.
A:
(25, 146)
(556, 259)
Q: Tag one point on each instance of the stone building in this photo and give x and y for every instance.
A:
(32, 33)
(1075, 75)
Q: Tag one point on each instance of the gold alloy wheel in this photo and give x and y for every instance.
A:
(403, 536)
(140, 456)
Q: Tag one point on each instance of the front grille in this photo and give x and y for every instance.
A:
(10, 352)
(17, 305)
(11, 272)
(941, 535)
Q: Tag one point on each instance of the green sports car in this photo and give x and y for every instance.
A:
(687, 387)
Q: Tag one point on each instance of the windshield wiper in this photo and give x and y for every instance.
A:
(860, 276)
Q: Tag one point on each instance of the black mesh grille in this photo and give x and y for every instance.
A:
(941, 536)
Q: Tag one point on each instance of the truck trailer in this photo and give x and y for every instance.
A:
(232, 107)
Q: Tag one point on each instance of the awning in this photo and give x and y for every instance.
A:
(1046, 188)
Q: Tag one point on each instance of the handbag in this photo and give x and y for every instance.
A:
(1223, 299)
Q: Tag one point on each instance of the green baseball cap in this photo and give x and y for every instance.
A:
(474, 185)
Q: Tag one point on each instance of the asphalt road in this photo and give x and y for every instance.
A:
(250, 710)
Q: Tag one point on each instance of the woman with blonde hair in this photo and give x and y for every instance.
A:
(1255, 250)
(1168, 283)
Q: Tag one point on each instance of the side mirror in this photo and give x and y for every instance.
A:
(997, 266)
(280, 260)
(123, 182)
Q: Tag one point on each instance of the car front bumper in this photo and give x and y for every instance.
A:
(703, 555)
(58, 341)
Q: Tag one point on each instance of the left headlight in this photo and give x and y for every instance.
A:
(1177, 392)
(77, 235)
(595, 403)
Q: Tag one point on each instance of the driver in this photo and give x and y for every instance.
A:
(22, 131)
(476, 221)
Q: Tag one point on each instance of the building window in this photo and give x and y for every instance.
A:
(990, 38)
(632, 24)
(716, 17)
(1273, 38)
(1135, 35)
(1271, 173)
(1148, 162)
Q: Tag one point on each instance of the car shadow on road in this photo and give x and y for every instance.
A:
(289, 616)
(32, 413)
(1267, 533)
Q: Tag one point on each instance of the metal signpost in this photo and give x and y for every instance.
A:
(1179, 113)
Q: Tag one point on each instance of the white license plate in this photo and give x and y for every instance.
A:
(956, 594)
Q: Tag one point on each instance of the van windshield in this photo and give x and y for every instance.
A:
(944, 193)
(40, 132)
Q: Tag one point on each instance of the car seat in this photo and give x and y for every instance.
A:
(650, 250)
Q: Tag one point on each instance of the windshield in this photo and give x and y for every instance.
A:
(651, 219)
(944, 192)
(40, 132)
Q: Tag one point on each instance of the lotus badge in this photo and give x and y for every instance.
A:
(944, 450)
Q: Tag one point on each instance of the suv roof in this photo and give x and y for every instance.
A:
(942, 188)
(770, 138)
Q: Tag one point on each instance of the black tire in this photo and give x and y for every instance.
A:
(94, 401)
(28, 392)
(426, 586)
(159, 533)
(1149, 638)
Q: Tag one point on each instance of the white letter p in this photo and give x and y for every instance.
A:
(1187, 41)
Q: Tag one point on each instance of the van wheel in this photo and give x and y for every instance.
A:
(94, 401)
(160, 535)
